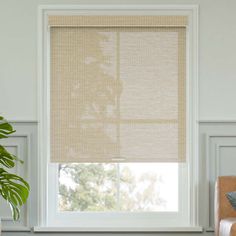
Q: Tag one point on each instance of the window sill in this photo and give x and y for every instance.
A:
(118, 229)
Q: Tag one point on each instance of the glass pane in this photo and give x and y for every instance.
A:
(149, 187)
(87, 187)
(125, 187)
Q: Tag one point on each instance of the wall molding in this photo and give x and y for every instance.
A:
(121, 7)
(22, 121)
(213, 143)
(22, 143)
(212, 120)
(215, 135)
(17, 229)
(217, 120)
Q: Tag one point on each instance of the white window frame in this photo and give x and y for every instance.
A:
(192, 224)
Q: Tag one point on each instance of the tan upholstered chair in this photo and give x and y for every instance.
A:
(225, 215)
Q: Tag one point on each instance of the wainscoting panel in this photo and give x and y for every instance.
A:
(22, 143)
(218, 157)
(18, 146)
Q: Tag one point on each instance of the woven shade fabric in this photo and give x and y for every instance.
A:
(117, 92)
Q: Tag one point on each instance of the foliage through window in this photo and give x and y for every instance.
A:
(118, 187)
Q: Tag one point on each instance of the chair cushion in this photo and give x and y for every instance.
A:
(227, 227)
(232, 198)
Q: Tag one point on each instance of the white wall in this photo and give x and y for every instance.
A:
(18, 55)
(217, 77)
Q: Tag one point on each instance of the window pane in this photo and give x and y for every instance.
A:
(87, 187)
(149, 187)
(118, 187)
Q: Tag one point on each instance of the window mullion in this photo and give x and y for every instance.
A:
(118, 186)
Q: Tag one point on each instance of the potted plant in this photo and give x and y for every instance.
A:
(13, 188)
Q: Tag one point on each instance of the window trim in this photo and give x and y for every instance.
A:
(192, 87)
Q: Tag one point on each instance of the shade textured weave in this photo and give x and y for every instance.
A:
(117, 88)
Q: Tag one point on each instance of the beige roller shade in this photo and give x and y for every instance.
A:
(118, 91)
(118, 21)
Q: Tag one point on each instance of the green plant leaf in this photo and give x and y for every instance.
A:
(15, 211)
(5, 128)
(15, 190)
(7, 159)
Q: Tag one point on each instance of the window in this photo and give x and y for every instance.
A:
(118, 119)
(124, 187)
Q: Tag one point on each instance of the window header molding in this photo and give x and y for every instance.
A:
(123, 7)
